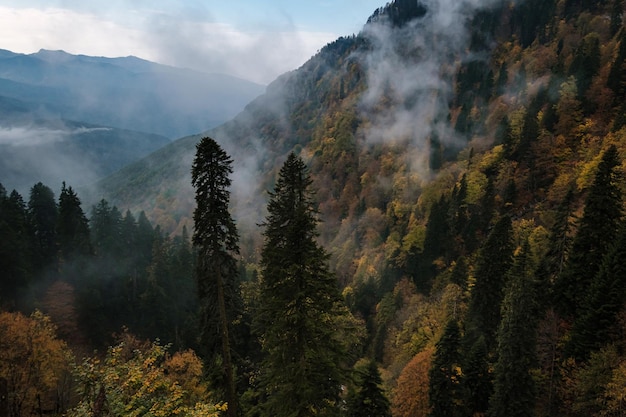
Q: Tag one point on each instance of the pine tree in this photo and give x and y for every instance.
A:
(444, 376)
(298, 318)
(217, 241)
(597, 230)
(514, 390)
(369, 399)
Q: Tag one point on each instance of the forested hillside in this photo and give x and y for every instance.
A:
(466, 164)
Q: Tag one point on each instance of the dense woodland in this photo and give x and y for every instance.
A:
(487, 279)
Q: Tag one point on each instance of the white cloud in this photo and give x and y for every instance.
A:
(211, 47)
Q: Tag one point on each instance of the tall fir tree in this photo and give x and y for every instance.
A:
(559, 244)
(15, 256)
(514, 389)
(298, 318)
(42, 216)
(597, 230)
(217, 242)
(72, 226)
(477, 384)
(369, 400)
(445, 376)
(492, 264)
(597, 325)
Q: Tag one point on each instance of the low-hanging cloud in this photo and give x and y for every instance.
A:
(23, 136)
(410, 72)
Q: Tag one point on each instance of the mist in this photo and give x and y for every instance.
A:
(410, 74)
(54, 151)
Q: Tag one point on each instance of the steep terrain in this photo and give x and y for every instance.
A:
(468, 158)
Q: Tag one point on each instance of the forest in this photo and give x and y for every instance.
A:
(470, 268)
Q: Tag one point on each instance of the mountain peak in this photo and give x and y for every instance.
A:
(53, 56)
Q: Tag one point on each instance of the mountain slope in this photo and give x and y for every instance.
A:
(518, 102)
(127, 93)
(53, 151)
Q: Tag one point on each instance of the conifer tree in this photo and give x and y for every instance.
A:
(597, 324)
(597, 230)
(42, 216)
(514, 390)
(444, 376)
(298, 317)
(369, 399)
(476, 383)
(15, 254)
(217, 241)
(494, 260)
(72, 225)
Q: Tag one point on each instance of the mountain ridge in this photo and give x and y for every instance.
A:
(129, 92)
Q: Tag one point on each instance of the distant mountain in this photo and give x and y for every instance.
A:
(55, 150)
(127, 93)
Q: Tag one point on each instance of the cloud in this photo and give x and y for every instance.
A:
(182, 40)
(30, 136)
(30, 29)
(410, 72)
(259, 56)
(23, 136)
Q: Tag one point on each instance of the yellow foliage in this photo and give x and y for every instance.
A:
(143, 382)
(32, 361)
(616, 391)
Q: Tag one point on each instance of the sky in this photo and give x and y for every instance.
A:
(252, 39)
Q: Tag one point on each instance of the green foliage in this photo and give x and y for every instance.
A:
(597, 229)
(299, 306)
(596, 325)
(42, 218)
(217, 241)
(15, 246)
(445, 374)
(369, 398)
(514, 389)
(494, 260)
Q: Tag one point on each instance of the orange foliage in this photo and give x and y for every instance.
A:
(33, 363)
(411, 394)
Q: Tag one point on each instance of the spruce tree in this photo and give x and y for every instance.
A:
(477, 385)
(492, 264)
(217, 242)
(597, 230)
(514, 389)
(299, 306)
(369, 399)
(72, 226)
(15, 256)
(444, 376)
(597, 325)
(42, 216)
